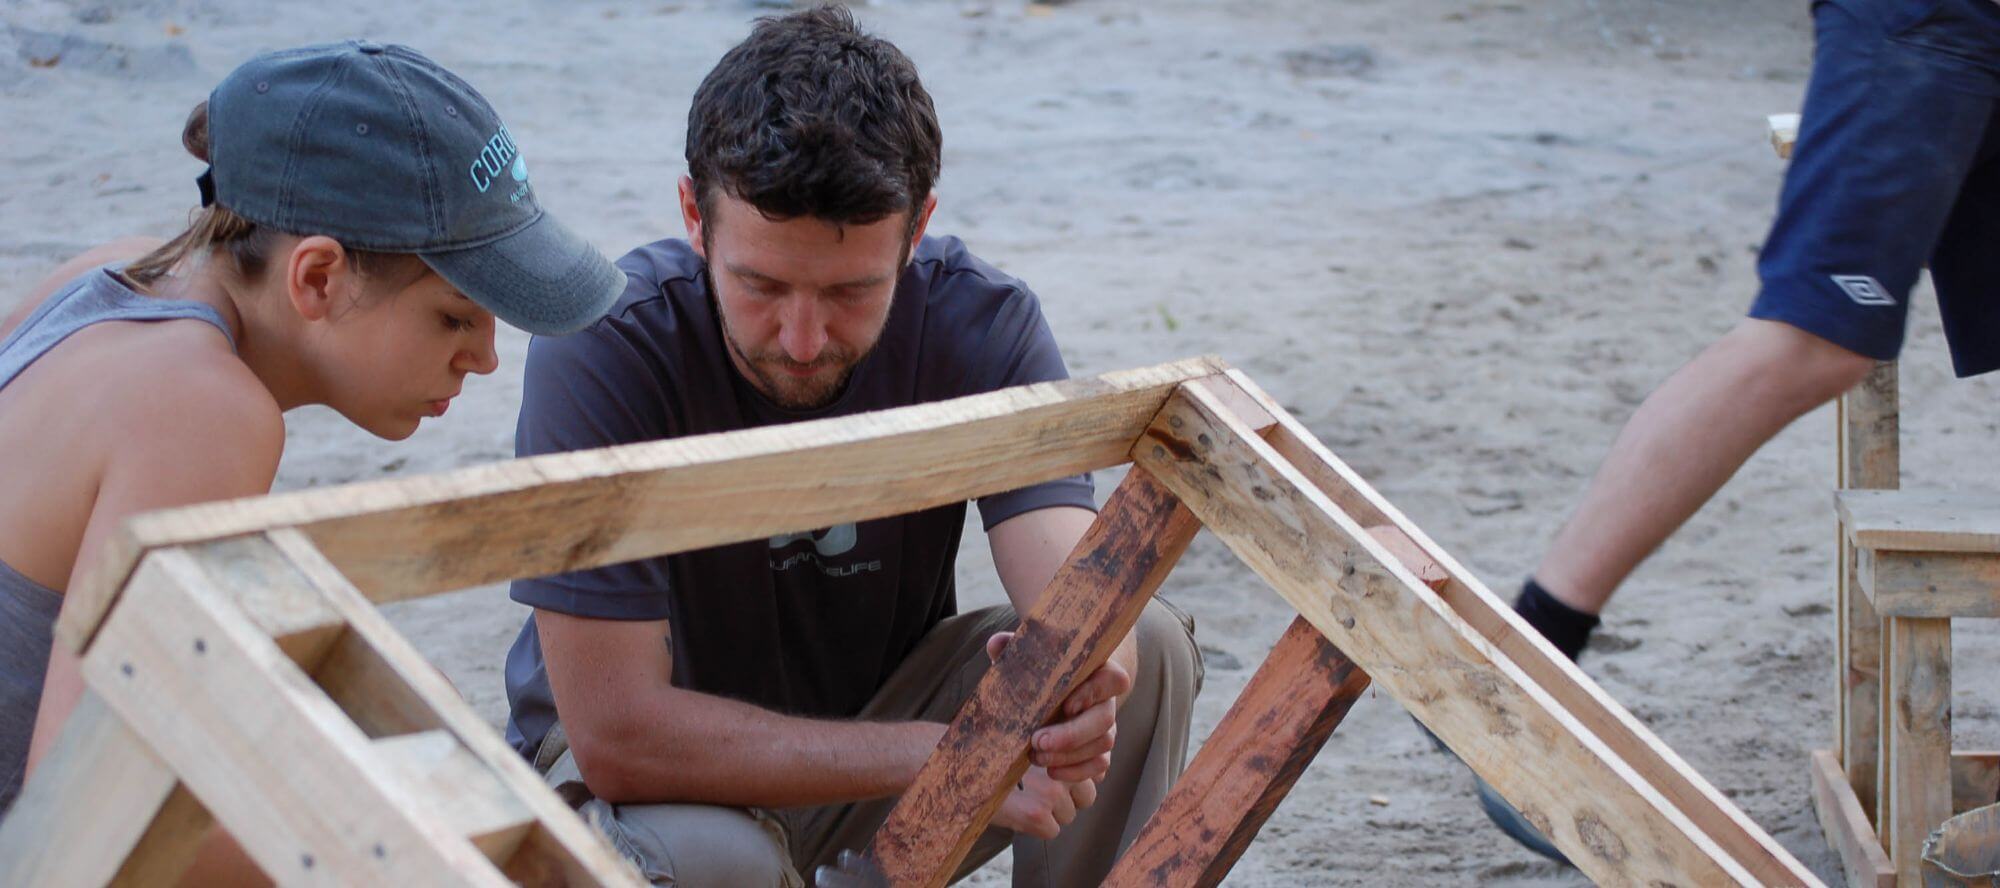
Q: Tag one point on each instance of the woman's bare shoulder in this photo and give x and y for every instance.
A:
(124, 249)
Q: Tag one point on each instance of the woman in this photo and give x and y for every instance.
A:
(365, 218)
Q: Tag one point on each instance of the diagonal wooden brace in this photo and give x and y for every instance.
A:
(1088, 607)
(1610, 821)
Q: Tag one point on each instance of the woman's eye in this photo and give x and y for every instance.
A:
(456, 324)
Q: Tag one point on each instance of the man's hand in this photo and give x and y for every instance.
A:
(1041, 805)
(1076, 745)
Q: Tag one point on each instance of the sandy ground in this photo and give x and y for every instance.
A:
(1460, 240)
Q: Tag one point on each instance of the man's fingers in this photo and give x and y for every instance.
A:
(1086, 771)
(1078, 730)
(1082, 752)
(997, 643)
(1109, 682)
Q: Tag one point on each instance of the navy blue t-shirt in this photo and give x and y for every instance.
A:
(807, 624)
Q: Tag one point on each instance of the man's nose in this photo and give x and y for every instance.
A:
(802, 330)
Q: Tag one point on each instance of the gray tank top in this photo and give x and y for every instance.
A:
(27, 608)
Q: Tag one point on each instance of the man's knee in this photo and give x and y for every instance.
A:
(1168, 658)
(1819, 368)
(697, 844)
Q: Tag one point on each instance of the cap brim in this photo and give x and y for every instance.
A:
(543, 278)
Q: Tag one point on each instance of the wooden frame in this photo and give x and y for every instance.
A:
(225, 645)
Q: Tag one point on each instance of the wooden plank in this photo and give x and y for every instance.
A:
(276, 762)
(1257, 752)
(1245, 768)
(1975, 780)
(1868, 445)
(88, 805)
(1918, 758)
(170, 845)
(1557, 675)
(530, 517)
(1951, 584)
(1846, 826)
(1784, 133)
(1921, 520)
(1087, 609)
(432, 769)
(1608, 819)
(561, 849)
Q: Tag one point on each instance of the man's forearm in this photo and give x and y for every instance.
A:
(683, 746)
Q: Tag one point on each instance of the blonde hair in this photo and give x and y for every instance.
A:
(215, 227)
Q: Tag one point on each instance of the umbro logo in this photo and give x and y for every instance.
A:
(1864, 290)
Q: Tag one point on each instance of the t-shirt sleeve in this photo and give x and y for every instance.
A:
(1021, 350)
(591, 389)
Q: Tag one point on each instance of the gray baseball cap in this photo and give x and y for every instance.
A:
(383, 150)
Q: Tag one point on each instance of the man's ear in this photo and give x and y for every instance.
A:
(691, 216)
(318, 272)
(923, 221)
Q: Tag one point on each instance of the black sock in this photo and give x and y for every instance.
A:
(1565, 627)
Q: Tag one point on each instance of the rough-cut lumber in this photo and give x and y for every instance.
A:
(1581, 698)
(1975, 780)
(1916, 785)
(320, 814)
(1868, 441)
(1784, 133)
(1921, 584)
(1257, 752)
(1087, 609)
(1846, 826)
(1614, 825)
(433, 770)
(99, 788)
(560, 849)
(1245, 768)
(547, 514)
(1921, 520)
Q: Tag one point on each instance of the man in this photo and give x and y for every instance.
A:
(740, 715)
(1897, 164)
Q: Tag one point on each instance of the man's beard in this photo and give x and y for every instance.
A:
(769, 376)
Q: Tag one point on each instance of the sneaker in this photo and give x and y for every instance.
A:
(1504, 815)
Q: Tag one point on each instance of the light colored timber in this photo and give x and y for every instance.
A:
(87, 806)
(1933, 521)
(1086, 611)
(1784, 133)
(1846, 826)
(182, 665)
(568, 511)
(1922, 584)
(1916, 785)
(432, 769)
(560, 849)
(1868, 444)
(1610, 822)
(1580, 697)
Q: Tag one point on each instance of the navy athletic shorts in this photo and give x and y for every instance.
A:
(1897, 166)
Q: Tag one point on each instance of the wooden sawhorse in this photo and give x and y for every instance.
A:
(239, 675)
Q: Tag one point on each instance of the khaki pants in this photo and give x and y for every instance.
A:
(710, 845)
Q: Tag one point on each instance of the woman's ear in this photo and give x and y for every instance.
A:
(318, 275)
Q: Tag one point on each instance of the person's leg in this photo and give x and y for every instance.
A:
(937, 678)
(693, 846)
(1683, 443)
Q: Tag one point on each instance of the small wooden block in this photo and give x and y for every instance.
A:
(1925, 584)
